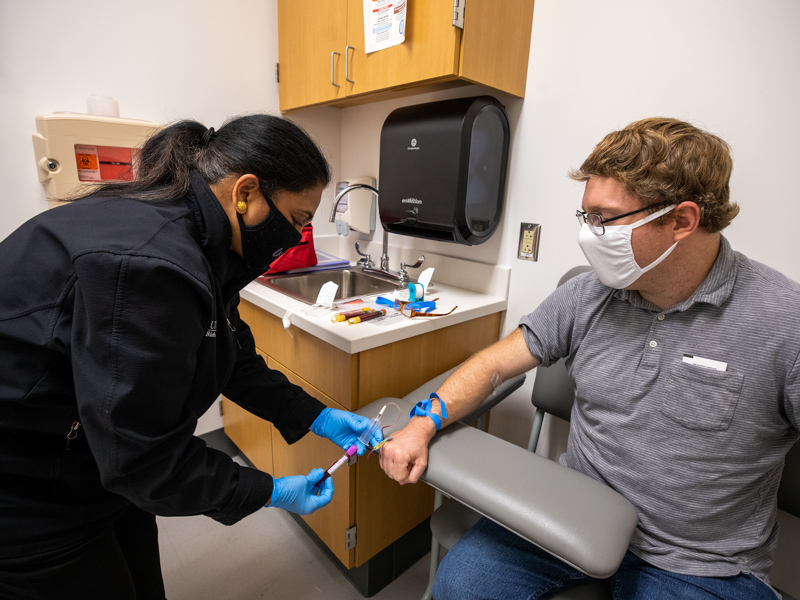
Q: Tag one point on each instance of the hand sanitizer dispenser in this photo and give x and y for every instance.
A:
(356, 210)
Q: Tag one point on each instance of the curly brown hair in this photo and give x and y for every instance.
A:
(661, 159)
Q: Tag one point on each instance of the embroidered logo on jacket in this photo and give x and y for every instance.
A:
(212, 330)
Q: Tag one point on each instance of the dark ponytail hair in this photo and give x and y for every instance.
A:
(278, 152)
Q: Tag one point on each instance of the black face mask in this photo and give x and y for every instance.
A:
(263, 243)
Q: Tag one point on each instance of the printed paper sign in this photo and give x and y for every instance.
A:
(384, 24)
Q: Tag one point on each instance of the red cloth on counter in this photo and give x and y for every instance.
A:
(302, 255)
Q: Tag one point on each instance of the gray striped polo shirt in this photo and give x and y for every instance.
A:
(687, 412)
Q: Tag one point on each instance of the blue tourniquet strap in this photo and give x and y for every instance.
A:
(423, 409)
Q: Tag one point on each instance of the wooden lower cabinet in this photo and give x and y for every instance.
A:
(331, 522)
(381, 510)
(251, 434)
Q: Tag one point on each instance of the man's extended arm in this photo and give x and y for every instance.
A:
(405, 458)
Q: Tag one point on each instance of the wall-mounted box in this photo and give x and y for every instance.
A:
(73, 149)
(443, 169)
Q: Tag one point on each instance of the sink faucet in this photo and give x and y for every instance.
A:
(402, 274)
(384, 271)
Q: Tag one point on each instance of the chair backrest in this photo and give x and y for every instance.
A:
(553, 389)
(574, 271)
(789, 491)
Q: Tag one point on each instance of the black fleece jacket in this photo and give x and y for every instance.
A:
(119, 323)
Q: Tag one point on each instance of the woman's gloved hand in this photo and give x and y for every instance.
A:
(294, 493)
(343, 428)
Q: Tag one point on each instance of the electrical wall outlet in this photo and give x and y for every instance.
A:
(529, 241)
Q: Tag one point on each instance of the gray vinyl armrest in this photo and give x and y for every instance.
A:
(577, 519)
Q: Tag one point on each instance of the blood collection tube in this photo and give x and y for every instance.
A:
(350, 451)
(366, 317)
(343, 316)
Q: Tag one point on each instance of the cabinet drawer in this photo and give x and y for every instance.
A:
(330, 370)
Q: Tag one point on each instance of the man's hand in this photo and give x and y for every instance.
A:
(405, 457)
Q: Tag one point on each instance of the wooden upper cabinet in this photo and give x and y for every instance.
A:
(491, 50)
(496, 44)
(312, 35)
(430, 50)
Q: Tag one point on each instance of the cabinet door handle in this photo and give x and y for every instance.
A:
(332, 81)
(347, 64)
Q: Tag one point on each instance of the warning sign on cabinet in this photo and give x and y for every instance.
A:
(384, 24)
(104, 163)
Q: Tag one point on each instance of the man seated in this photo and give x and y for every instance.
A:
(684, 355)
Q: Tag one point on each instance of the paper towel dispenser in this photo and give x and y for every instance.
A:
(443, 169)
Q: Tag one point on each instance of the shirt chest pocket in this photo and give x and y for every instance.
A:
(700, 398)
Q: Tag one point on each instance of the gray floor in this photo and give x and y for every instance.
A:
(265, 555)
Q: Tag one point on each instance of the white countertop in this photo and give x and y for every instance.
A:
(372, 334)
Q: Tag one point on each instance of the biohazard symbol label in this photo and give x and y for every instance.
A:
(87, 161)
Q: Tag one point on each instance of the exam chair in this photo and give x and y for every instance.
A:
(605, 536)
(577, 519)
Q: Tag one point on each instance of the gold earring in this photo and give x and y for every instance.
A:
(241, 206)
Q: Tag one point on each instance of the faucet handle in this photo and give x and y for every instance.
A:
(365, 261)
(416, 265)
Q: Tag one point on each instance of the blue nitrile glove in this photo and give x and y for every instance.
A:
(294, 493)
(343, 428)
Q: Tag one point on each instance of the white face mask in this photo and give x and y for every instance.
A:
(611, 254)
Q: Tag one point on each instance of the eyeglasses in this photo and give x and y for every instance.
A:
(597, 224)
(409, 309)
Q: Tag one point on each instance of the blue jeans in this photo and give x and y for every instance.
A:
(491, 562)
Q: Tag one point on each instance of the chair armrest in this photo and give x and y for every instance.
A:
(573, 517)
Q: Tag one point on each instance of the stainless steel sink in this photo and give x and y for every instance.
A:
(306, 286)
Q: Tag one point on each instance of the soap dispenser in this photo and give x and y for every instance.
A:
(357, 209)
